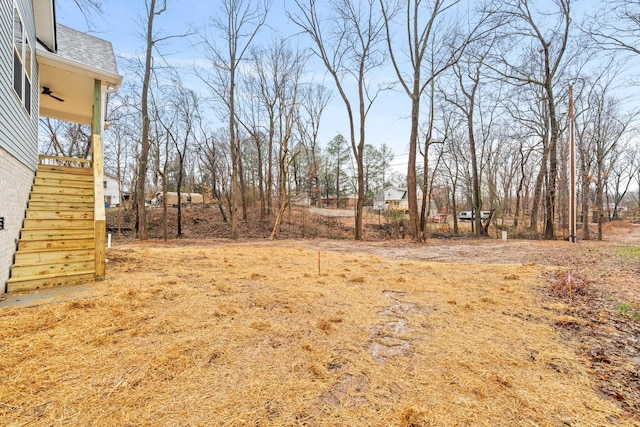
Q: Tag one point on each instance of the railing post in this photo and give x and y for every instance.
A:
(100, 219)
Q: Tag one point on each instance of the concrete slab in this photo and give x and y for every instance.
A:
(47, 296)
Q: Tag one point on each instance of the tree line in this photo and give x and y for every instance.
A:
(486, 85)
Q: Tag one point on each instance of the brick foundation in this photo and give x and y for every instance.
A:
(15, 184)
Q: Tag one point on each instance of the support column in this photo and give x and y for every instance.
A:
(99, 215)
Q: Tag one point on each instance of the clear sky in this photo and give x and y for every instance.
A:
(121, 24)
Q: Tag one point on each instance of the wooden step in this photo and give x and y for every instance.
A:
(61, 191)
(63, 170)
(53, 269)
(62, 198)
(48, 234)
(58, 224)
(61, 245)
(72, 175)
(34, 213)
(57, 181)
(60, 205)
(56, 245)
(24, 259)
(40, 282)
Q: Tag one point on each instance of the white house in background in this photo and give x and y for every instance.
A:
(396, 198)
(111, 191)
(391, 198)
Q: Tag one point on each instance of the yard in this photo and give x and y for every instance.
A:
(334, 333)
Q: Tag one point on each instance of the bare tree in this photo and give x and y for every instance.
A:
(152, 11)
(268, 82)
(451, 166)
(601, 127)
(546, 33)
(185, 108)
(621, 174)
(212, 153)
(349, 49)
(90, 9)
(238, 23)
(65, 139)
(427, 40)
(315, 99)
(468, 75)
(616, 25)
(291, 68)
(161, 153)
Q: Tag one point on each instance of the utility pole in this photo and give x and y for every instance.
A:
(573, 234)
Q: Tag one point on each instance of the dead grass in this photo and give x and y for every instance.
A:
(253, 335)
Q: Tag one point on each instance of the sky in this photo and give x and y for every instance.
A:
(122, 23)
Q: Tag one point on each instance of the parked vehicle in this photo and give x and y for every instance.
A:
(470, 215)
(440, 218)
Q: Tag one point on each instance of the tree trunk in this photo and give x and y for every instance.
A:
(585, 205)
(454, 208)
(284, 200)
(599, 199)
(141, 212)
(475, 181)
(179, 191)
(537, 192)
(550, 199)
(263, 206)
(270, 164)
(242, 185)
(412, 184)
(235, 156)
(519, 191)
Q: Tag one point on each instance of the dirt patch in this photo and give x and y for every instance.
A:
(249, 333)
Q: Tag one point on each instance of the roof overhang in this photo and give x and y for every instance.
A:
(73, 82)
(45, 19)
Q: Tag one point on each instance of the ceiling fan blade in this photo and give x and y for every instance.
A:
(47, 91)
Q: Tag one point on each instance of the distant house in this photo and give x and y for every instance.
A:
(302, 199)
(187, 199)
(345, 201)
(111, 185)
(396, 199)
(53, 207)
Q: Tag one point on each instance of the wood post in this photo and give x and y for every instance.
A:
(99, 215)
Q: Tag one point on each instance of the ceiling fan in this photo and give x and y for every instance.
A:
(47, 91)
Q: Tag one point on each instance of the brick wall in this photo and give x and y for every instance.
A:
(15, 184)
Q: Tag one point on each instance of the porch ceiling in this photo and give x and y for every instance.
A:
(69, 73)
(76, 90)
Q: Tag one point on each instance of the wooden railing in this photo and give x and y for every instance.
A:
(64, 161)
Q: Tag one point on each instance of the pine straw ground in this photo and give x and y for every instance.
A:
(220, 334)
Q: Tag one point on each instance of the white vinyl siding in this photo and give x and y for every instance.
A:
(22, 60)
(18, 129)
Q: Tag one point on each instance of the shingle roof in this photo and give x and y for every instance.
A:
(86, 49)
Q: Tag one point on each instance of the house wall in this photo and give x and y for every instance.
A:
(16, 181)
(18, 129)
(111, 191)
(18, 135)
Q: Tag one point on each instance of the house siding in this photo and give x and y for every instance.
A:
(18, 130)
(111, 191)
(18, 136)
(14, 193)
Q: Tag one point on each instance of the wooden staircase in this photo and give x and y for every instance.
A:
(57, 243)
